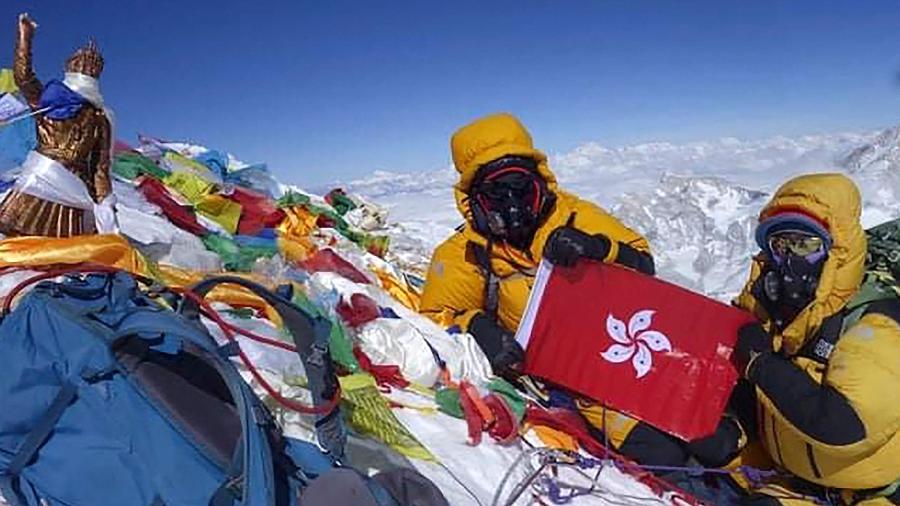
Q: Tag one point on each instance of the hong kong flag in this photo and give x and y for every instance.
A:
(636, 344)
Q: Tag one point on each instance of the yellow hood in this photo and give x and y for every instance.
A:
(487, 139)
(836, 201)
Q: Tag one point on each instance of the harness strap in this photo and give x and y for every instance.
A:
(820, 348)
(492, 281)
(887, 307)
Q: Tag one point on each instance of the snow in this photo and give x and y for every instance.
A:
(695, 202)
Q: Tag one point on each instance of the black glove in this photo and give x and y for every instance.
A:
(566, 245)
(497, 343)
(721, 447)
(752, 341)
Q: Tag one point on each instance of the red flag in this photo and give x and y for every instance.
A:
(635, 343)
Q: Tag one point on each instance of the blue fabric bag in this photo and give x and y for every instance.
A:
(109, 398)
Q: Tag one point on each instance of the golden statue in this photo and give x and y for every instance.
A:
(64, 188)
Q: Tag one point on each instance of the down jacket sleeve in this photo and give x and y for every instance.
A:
(454, 288)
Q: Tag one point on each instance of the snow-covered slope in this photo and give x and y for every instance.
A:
(882, 154)
(695, 202)
(875, 165)
(699, 227)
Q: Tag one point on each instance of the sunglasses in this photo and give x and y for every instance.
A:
(797, 242)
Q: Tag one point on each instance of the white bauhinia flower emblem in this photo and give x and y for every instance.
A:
(635, 342)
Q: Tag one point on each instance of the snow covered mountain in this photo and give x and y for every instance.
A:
(882, 154)
(700, 228)
(876, 167)
(696, 202)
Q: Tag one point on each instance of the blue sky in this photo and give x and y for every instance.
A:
(328, 90)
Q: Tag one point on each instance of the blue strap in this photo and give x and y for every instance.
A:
(224, 495)
(38, 435)
(229, 349)
(227, 493)
(34, 440)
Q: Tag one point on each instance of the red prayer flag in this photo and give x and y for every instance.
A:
(257, 211)
(326, 260)
(635, 343)
(182, 216)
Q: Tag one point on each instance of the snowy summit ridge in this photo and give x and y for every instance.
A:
(696, 202)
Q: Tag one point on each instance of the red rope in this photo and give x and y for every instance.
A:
(261, 339)
(84, 268)
(230, 336)
(228, 330)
